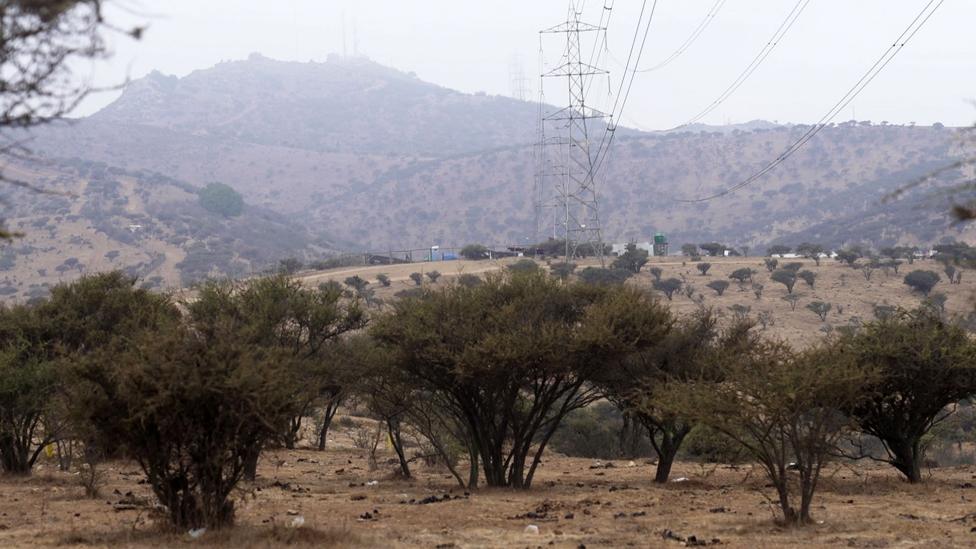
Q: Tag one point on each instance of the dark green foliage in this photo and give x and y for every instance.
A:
(631, 260)
(742, 275)
(562, 270)
(383, 279)
(433, 276)
(512, 356)
(656, 272)
(719, 286)
(778, 249)
(221, 199)
(417, 278)
(786, 278)
(849, 256)
(922, 281)
(703, 268)
(770, 264)
(794, 266)
(714, 249)
(600, 431)
(598, 276)
(468, 280)
(524, 266)
(922, 365)
(189, 409)
(811, 251)
(668, 286)
(689, 249)
(809, 277)
(474, 252)
(820, 308)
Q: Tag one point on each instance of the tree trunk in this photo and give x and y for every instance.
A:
(13, 459)
(473, 469)
(907, 459)
(393, 428)
(327, 415)
(251, 462)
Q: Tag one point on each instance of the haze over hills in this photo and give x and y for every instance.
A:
(350, 155)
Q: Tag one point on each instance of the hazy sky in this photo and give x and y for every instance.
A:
(469, 45)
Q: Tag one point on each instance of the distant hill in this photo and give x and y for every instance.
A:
(348, 154)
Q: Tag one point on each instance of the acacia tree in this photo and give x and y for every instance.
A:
(188, 405)
(811, 251)
(686, 353)
(512, 356)
(279, 314)
(631, 260)
(668, 286)
(719, 286)
(37, 342)
(782, 408)
(924, 366)
(786, 278)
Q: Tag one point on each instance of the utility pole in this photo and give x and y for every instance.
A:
(576, 189)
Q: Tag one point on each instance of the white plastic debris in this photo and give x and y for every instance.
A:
(298, 522)
(532, 529)
(372, 483)
(631, 464)
(680, 479)
(196, 533)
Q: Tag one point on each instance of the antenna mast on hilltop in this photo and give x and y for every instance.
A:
(573, 173)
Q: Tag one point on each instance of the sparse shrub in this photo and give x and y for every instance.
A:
(524, 266)
(221, 199)
(631, 260)
(468, 280)
(770, 264)
(719, 286)
(474, 252)
(786, 278)
(742, 275)
(433, 276)
(758, 290)
(792, 299)
(383, 279)
(922, 281)
(668, 286)
(598, 276)
(740, 312)
(809, 277)
(820, 308)
(703, 268)
(793, 267)
(417, 278)
(562, 270)
(656, 272)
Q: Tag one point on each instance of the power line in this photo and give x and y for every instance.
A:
(917, 23)
(712, 12)
(611, 128)
(781, 31)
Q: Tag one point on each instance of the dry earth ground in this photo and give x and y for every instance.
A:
(574, 503)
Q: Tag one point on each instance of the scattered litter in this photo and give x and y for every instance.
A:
(292, 512)
(372, 483)
(631, 464)
(680, 479)
(298, 522)
(196, 533)
(532, 529)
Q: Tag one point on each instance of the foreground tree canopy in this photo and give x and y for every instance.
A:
(512, 356)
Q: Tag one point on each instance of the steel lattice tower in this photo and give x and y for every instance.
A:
(574, 181)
